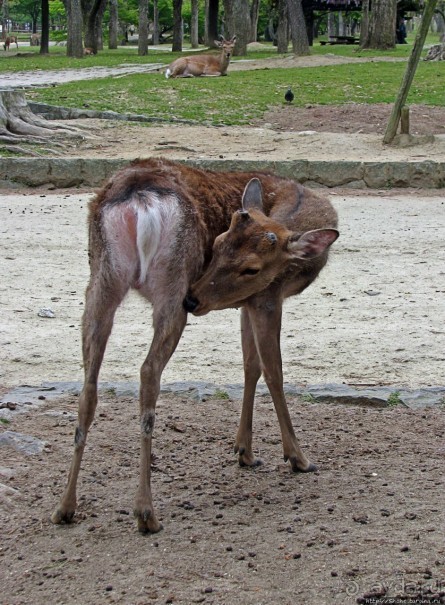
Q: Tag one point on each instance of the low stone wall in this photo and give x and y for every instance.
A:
(78, 172)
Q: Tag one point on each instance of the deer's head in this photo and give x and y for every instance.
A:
(226, 46)
(251, 255)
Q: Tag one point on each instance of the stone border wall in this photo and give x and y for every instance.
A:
(79, 172)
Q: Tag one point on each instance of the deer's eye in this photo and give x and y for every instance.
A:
(249, 272)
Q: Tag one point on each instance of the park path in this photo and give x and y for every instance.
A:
(26, 79)
(35, 78)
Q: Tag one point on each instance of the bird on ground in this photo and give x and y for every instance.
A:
(289, 96)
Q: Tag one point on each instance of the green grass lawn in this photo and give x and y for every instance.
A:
(241, 96)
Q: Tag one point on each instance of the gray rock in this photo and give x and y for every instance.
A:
(25, 444)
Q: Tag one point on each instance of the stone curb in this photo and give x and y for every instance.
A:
(91, 173)
(26, 398)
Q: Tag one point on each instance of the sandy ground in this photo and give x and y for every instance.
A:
(375, 315)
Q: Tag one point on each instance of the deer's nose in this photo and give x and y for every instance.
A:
(190, 303)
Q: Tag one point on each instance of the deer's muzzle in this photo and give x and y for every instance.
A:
(190, 303)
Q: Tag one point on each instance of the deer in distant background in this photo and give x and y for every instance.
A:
(190, 240)
(203, 65)
(10, 40)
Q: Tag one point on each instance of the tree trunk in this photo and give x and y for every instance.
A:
(143, 28)
(44, 38)
(93, 25)
(156, 26)
(300, 42)
(74, 47)
(237, 13)
(332, 31)
(177, 26)
(365, 23)
(211, 22)
(410, 70)
(194, 24)
(283, 27)
(254, 14)
(114, 25)
(381, 32)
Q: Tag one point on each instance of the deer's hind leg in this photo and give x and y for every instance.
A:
(169, 320)
(104, 294)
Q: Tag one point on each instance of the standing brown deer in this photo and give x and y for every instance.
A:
(203, 65)
(190, 240)
(10, 40)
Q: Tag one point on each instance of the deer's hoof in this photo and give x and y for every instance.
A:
(246, 458)
(147, 522)
(60, 516)
(249, 462)
(297, 468)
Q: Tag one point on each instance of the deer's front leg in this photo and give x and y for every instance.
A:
(252, 373)
(167, 334)
(265, 317)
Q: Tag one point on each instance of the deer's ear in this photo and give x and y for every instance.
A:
(312, 243)
(253, 196)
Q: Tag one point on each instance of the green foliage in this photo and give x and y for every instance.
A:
(394, 399)
(220, 394)
(308, 398)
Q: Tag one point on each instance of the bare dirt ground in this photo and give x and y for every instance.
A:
(350, 132)
(367, 528)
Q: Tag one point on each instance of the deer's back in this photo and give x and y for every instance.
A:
(204, 202)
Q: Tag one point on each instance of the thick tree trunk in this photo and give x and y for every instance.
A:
(93, 25)
(283, 27)
(143, 28)
(381, 32)
(194, 38)
(300, 43)
(74, 46)
(114, 25)
(211, 24)
(177, 26)
(237, 14)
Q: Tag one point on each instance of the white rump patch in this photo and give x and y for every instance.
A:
(139, 231)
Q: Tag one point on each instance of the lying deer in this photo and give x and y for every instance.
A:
(190, 240)
(10, 40)
(203, 65)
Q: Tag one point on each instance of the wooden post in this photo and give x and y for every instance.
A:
(404, 120)
(413, 61)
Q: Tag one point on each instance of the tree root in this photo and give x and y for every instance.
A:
(436, 53)
(18, 124)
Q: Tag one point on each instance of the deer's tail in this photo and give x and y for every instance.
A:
(136, 232)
